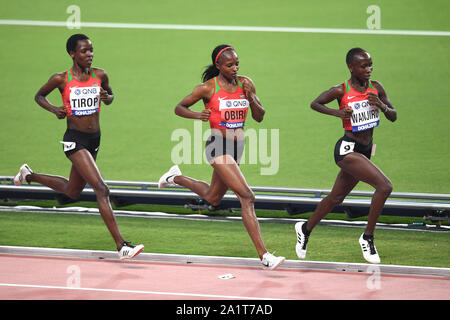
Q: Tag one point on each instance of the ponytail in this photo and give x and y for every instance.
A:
(211, 71)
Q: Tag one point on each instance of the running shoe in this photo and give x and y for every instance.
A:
(271, 261)
(302, 241)
(369, 250)
(129, 251)
(24, 171)
(167, 178)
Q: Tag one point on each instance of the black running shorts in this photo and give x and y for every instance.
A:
(74, 140)
(346, 145)
(217, 145)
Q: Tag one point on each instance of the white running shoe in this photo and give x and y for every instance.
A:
(271, 261)
(167, 178)
(24, 171)
(369, 250)
(302, 241)
(129, 251)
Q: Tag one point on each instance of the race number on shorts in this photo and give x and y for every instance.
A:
(346, 148)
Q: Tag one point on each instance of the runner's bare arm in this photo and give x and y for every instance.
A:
(255, 104)
(106, 94)
(55, 81)
(201, 92)
(334, 93)
(382, 102)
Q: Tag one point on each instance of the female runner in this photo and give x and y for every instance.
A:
(360, 102)
(82, 88)
(227, 97)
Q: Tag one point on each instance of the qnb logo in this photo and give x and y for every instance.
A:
(360, 104)
(238, 103)
(79, 91)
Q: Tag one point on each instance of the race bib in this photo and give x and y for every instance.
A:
(84, 101)
(68, 145)
(364, 115)
(233, 112)
(346, 148)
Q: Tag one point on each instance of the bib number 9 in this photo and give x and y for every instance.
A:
(346, 148)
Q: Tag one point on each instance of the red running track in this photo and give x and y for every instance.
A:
(54, 278)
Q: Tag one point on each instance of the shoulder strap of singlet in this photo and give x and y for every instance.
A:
(239, 83)
(93, 74)
(217, 85)
(347, 85)
(69, 75)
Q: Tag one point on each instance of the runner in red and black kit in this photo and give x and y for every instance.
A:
(227, 98)
(361, 101)
(83, 88)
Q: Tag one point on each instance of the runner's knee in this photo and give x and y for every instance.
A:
(213, 199)
(247, 196)
(335, 200)
(73, 194)
(101, 189)
(385, 188)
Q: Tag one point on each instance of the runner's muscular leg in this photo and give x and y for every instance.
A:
(364, 170)
(344, 183)
(229, 172)
(212, 193)
(71, 187)
(86, 167)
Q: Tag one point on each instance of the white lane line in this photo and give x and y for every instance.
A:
(199, 295)
(223, 28)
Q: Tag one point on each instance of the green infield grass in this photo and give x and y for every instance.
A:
(174, 236)
(151, 70)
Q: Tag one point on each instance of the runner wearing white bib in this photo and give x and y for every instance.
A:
(82, 88)
(361, 101)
